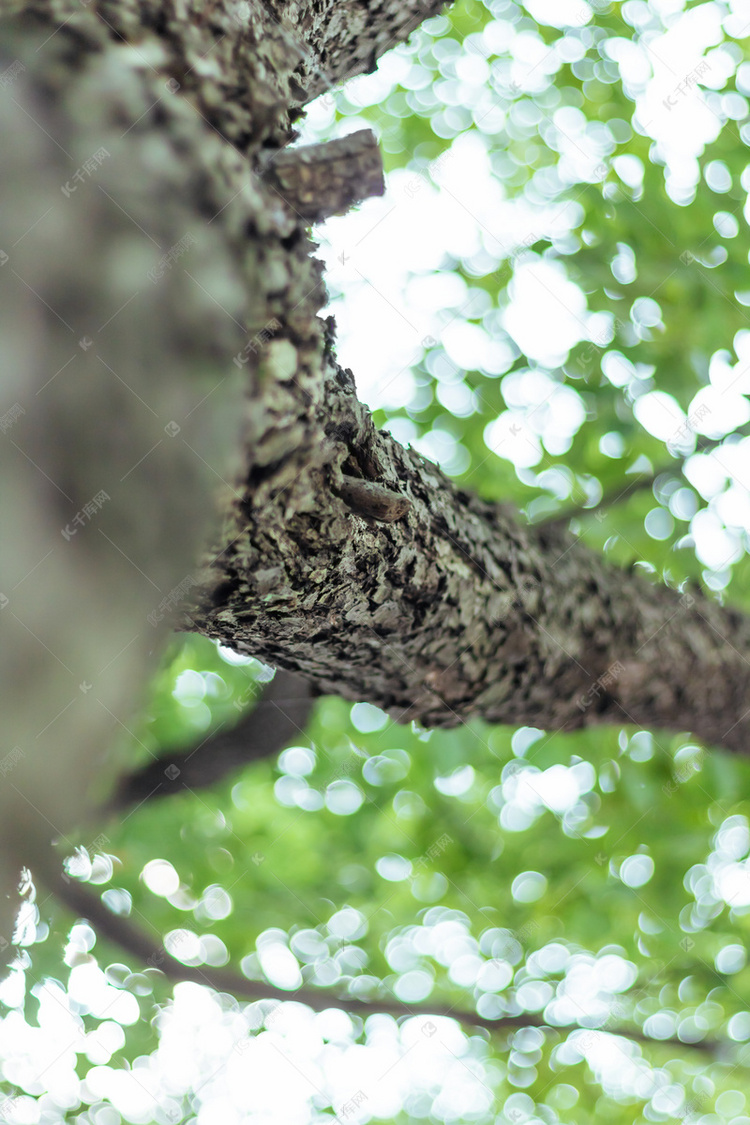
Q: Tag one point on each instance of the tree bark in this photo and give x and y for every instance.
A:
(144, 252)
(354, 562)
(151, 265)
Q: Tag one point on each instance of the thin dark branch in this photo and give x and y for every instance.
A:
(280, 715)
(620, 492)
(121, 931)
(615, 496)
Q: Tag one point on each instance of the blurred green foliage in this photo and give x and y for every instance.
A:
(484, 866)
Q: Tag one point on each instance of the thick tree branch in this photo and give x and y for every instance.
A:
(249, 67)
(452, 609)
(338, 40)
(115, 928)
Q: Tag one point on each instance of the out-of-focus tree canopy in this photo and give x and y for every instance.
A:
(568, 330)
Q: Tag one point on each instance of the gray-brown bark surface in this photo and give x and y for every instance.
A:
(446, 607)
(318, 181)
(133, 287)
(144, 257)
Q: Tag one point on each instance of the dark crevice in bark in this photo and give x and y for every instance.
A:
(292, 240)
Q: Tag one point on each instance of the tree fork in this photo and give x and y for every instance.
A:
(343, 555)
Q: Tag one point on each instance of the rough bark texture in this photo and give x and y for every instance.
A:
(133, 287)
(145, 262)
(327, 179)
(439, 607)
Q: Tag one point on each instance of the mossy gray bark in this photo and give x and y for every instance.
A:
(144, 251)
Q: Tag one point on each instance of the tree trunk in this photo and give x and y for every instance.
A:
(144, 246)
(155, 267)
